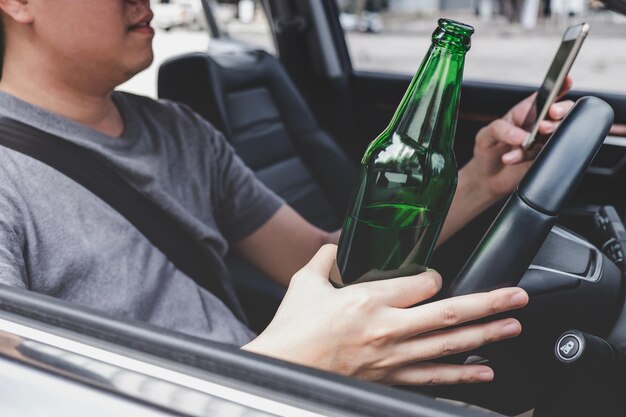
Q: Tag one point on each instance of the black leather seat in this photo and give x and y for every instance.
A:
(251, 99)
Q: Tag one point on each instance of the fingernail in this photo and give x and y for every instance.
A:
(485, 375)
(559, 110)
(507, 158)
(519, 299)
(550, 127)
(511, 329)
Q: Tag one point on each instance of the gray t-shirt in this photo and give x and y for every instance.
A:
(59, 239)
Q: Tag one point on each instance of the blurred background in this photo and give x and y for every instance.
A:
(514, 42)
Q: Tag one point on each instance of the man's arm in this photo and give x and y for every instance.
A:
(498, 164)
(284, 244)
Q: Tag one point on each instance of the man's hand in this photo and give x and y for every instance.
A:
(499, 162)
(370, 330)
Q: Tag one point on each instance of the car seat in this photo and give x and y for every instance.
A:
(251, 99)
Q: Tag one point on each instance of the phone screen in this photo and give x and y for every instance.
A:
(556, 74)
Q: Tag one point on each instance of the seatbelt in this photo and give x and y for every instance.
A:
(159, 227)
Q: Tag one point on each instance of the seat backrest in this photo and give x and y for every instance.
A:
(251, 99)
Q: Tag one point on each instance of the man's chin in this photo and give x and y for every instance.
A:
(146, 63)
(137, 68)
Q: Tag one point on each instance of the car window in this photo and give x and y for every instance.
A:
(509, 45)
(180, 27)
(245, 21)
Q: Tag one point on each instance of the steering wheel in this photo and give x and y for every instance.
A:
(571, 283)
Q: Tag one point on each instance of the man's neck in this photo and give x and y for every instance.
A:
(93, 109)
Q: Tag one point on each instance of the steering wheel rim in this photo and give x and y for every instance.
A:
(501, 258)
(514, 238)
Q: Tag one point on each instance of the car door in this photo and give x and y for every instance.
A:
(77, 361)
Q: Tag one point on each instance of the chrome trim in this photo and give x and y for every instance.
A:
(581, 346)
(28, 391)
(129, 376)
(608, 242)
(595, 276)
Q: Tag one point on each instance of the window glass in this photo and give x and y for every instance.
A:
(180, 27)
(514, 42)
(245, 21)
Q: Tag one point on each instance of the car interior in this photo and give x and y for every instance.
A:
(301, 121)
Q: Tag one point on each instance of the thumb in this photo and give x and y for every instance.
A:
(322, 262)
(517, 114)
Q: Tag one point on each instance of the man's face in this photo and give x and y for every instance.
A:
(95, 38)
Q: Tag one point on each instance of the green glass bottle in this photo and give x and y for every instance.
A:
(408, 174)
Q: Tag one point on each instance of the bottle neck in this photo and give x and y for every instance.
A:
(426, 116)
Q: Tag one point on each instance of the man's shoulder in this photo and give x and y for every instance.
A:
(163, 110)
(173, 122)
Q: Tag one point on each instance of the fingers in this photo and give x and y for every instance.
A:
(500, 131)
(547, 127)
(558, 110)
(449, 342)
(515, 156)
(517, 114)
(453, 311)
(505, 132)
(618, 129)
(437, 374)
(405, 292)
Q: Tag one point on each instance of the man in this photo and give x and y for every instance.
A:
(62, 61)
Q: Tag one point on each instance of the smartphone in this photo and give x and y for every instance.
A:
(552, 84)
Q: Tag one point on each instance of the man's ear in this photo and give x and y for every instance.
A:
(18, 10)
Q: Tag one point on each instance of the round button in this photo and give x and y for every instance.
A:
(568, 347)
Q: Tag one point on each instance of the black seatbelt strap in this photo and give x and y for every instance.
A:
(159, 227)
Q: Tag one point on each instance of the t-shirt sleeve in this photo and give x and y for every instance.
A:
(12, 266)
(243, 203)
